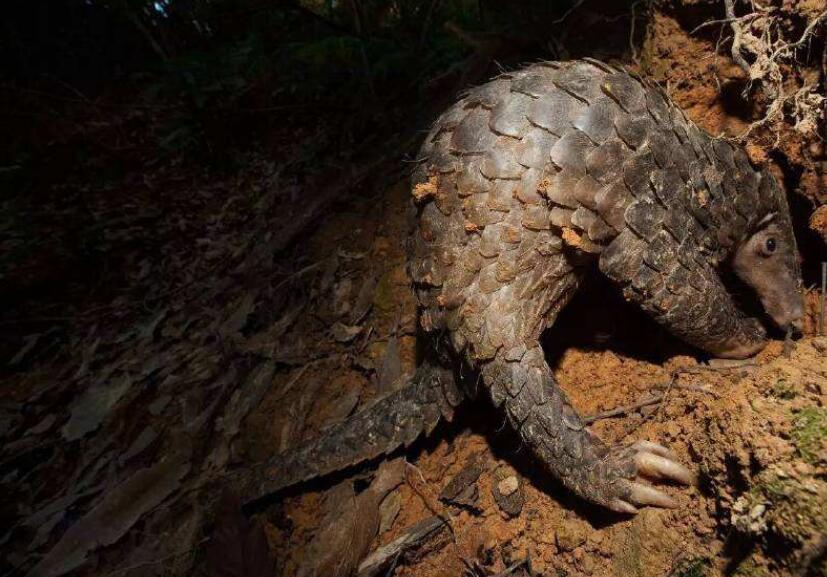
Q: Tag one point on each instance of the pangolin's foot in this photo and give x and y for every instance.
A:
(632, 464)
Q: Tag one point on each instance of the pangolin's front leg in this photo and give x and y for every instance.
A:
(501, 333)
(681, 292)
(547, 423)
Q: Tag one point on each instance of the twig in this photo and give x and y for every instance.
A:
(723, 21)
(656, 398)
(428, 499)
(735, 24)
(293, 380)
(159, 560)
(808, 31)
(823, 319)
(669, 386)
(568, 12)
(698, 389)
(625, 409)
(729, 364)
(388, 554)
(298, 273)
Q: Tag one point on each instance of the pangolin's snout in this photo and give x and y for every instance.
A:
(790, 316)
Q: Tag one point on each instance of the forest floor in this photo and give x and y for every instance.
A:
(187, 324)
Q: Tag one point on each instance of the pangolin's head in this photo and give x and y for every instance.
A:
(767, 260)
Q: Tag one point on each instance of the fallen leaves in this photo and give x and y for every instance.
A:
(93, 406)
(208, 322)
(238, 546)
(116, 513)
(350, 524)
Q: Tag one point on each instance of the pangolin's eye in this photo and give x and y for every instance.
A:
(770, 245)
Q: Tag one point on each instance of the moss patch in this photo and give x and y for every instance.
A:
(750, 568)
(795, 507)
(810, 433)
(782, 389)
(694, 567)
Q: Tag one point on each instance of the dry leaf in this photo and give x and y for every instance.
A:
(93, 406)
(350, 525)
(113, 516)
(343, 333)
(238, 546)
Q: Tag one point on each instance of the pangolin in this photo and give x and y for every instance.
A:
(523, 186)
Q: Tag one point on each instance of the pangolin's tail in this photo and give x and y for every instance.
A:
(391, 422)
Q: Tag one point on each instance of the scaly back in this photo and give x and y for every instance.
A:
(566, 158)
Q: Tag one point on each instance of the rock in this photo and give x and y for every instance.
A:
(462, 490)
(508, 491)
(508, 485)
(571, 534)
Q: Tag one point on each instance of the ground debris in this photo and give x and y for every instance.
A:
(508, 491)
(350, 525)
(238, 546)
(113, 516)
(388, 554)
(94, 406)
(462, 489)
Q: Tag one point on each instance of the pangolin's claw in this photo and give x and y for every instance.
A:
(651, 447)
(660, 467)
(652, 461)
(646, 495)
(622, 506)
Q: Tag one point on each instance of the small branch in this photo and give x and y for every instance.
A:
(723, 21)
(716, 365)
(568, 12)
(388, 554)
(698, 389)
(823, 319)
(624, 410)
(430, 501)
(655, 398)
(735, 24)
(808, 31)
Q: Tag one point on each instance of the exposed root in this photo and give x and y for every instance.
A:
(760, 47)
